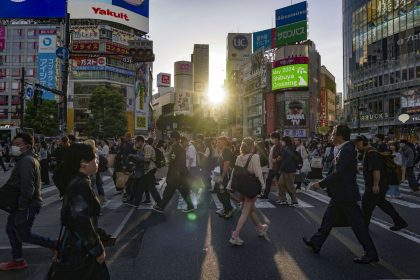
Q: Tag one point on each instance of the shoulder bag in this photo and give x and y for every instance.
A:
(244, 181)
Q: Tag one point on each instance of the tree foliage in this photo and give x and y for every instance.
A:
(108, 113)
(43, 118)
(195, 124)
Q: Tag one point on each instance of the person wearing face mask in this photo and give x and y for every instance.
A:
(274, 157)
(80, 251)
(23, 192)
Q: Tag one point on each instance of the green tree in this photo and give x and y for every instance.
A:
(43, 118)
(108, 111)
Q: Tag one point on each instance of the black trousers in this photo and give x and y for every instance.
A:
(183, 187)
(224, 196)
(45, 178)
(371, 200)
(349, 214)
(146, 184)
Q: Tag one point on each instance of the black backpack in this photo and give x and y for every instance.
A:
(103, 164)
(160, 158)
(297, 159)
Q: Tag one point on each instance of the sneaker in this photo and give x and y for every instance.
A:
(298, 190)
(398, 196)
(157, 209)
(295, 204)
(146, 202)
(280, 202)
(262, 230)
(13, 265)
(229, 214)
(132, 204)
(236, 241)
(220, 212)
(399, 227)
(389, 196)
(188, 210)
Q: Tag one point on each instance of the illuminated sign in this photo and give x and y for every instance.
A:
(290, 76)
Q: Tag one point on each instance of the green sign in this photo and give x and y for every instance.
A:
(290, 76)
(292, 33)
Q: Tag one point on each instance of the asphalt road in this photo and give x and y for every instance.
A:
(175, 245)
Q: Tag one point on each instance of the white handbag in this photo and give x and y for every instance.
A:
(316, 162)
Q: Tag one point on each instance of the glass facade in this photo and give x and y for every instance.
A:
(381, 40)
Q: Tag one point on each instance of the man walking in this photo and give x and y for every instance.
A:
(342, 187)
(177, 173)
(376, 184)
(408, 157)
(24, 188)
(273, 163)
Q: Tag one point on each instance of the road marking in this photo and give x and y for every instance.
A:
(383, 224)
(123, 223)
(302, 204)
(195, 197)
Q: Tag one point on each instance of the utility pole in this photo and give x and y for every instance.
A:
(22, 97)
(358, 115)
(65, 72)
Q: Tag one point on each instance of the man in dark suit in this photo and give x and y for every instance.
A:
(342, 187)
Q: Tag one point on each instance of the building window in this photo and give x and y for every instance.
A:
(30, 59)
(31, 33)
(16, 72)
(15, 85)
(2, 86)
(29, 72)
(16, 58)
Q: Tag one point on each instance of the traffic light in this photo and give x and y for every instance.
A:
(37, 99)
(141, 50)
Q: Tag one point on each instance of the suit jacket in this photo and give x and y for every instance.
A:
(341, 183)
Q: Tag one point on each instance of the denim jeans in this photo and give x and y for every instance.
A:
(394, 190)
(270, 176)
(19, 229)
(411, 178)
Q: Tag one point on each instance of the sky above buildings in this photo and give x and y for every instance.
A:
(176, 25)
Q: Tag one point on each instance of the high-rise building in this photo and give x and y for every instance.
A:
(382, 66)
(200, 62)
(328, 98)
(184, 89)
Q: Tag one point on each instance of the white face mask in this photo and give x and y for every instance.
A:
(16, 151)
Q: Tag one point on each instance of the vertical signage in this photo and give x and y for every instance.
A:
(141, 97)
(2, 37)
(263, 39)
(47, 61)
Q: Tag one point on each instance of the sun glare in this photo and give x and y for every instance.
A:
(216, 95)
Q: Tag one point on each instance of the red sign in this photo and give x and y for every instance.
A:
(48, 32)
(116, 49)
(110, 13)
(86, 47)
(2, 37)
(166, 79)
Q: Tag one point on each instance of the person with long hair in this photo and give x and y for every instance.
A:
(80, 245)
(249, 209)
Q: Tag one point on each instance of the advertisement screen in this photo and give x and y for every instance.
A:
(33, 9)
(133, 13)
(410, 100)
(290, 76)
(295, 113)
(263, 39)
(291, 14)
(292, 33)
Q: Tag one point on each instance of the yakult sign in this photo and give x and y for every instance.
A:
(133, 13)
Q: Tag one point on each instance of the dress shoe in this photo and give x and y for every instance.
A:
(398, 227)
(311, 245)
(366, 260)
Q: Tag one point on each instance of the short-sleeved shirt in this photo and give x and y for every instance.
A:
(226, 155)
(374, 161)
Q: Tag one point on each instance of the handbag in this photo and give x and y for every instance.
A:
(111, 160)
(244, 181)
(316, 162)
(9, 200)
(122, 179)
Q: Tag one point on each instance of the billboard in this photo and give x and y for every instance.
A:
(292, 14)
(16, 9)
(164, 80)
(296, 113)
(85, 47)
(292, 33)
(88, 61)
(47, 62)
(2, 37)
(183, 102)
(295, 133)
(239, 46)
(132, 13)
(84, 32)
(263, 39)
(290, 76)
(410, 100)
(141, 92)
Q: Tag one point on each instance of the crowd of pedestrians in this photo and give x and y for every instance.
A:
(238, 171)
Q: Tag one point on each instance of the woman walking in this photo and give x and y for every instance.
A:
(393, 181)
(254, 167)
(80, 249)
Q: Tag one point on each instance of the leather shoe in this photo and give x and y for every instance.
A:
(311, 245)
(398, 227)
(366, 260)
